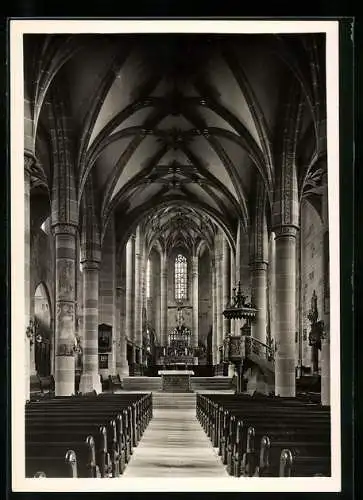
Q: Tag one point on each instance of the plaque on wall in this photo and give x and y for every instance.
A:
(103, 361)
(104, 338)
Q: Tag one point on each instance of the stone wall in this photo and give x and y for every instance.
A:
(205, 297)
(107, 291)
(312, 270)
(42, 264)
(155, 293)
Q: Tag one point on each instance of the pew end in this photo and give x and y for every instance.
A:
(91, 465)
(71, 461)
(286, 460)
(40, 474)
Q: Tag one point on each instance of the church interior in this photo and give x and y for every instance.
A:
(176, 255)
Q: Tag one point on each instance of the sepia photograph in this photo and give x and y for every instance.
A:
(175, 255)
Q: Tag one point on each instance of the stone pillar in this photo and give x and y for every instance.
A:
(130, 292)
(143, 312)
(259, 299)
(258, 265)
(138, 301)
(65, 277)
(226, 275)
(325, 342)
(285, 385)
(272, 287)
(195, 318)
(107, 293)
(122, 367)
(28, 347)
(156, 295)
(164, 301)
(90, 378)
(214, 310)
(219, 300)
(150, 305)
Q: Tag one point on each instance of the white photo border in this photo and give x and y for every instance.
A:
(231, 484)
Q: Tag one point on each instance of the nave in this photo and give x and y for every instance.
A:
(176, 220)
(174, 444)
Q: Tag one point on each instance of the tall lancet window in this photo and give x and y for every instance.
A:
(148, 273)
(181, 277)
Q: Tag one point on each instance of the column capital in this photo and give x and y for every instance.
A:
(64, 228)
(258, 266)
(33, 170)
(92, 265)
(29, 161)
(288, 230)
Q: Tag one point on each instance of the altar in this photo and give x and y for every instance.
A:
(175, 380)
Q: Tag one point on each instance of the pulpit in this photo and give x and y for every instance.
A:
(235, 345)
(175, 380)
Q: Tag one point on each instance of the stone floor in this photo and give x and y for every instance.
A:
(174, 444)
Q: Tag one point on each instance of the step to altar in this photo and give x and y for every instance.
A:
(198, 384)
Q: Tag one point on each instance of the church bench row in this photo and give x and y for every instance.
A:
(41, 387)
(214, 413)
(44, 387)
(238, 424)
(84, 437)
(241, 451)
(101, 404)
(60, 430)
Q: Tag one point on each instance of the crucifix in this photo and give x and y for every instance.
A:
(179, 316)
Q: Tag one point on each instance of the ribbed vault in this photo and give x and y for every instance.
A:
(185, 119)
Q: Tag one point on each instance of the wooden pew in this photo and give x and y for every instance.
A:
(73, 417)
(47, 386)
(248, 463)
(115, 383)
(65, 467)
(35, 387)
(295, 465)
(233, 422)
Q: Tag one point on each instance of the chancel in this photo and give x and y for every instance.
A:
(176, 256)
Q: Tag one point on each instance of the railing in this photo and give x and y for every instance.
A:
(254, 346)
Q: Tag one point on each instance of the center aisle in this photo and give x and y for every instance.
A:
(174, 444)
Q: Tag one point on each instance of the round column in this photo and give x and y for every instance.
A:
(259, 299)
(219, 299)
(285, 385)
(214, 309)
(164, 302)
(65, 281)
(325, 342)
(28, 347)
(137, 278)
(122, 366)
(195, 327)
(90, 378)
(143, 307)
(325, 369)
(130, 292)
(226, 275)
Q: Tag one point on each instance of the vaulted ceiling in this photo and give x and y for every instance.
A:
(187, 122)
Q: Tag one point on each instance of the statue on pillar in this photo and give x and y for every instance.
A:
(316, 332)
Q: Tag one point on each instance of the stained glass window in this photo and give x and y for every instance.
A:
(181, 281)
